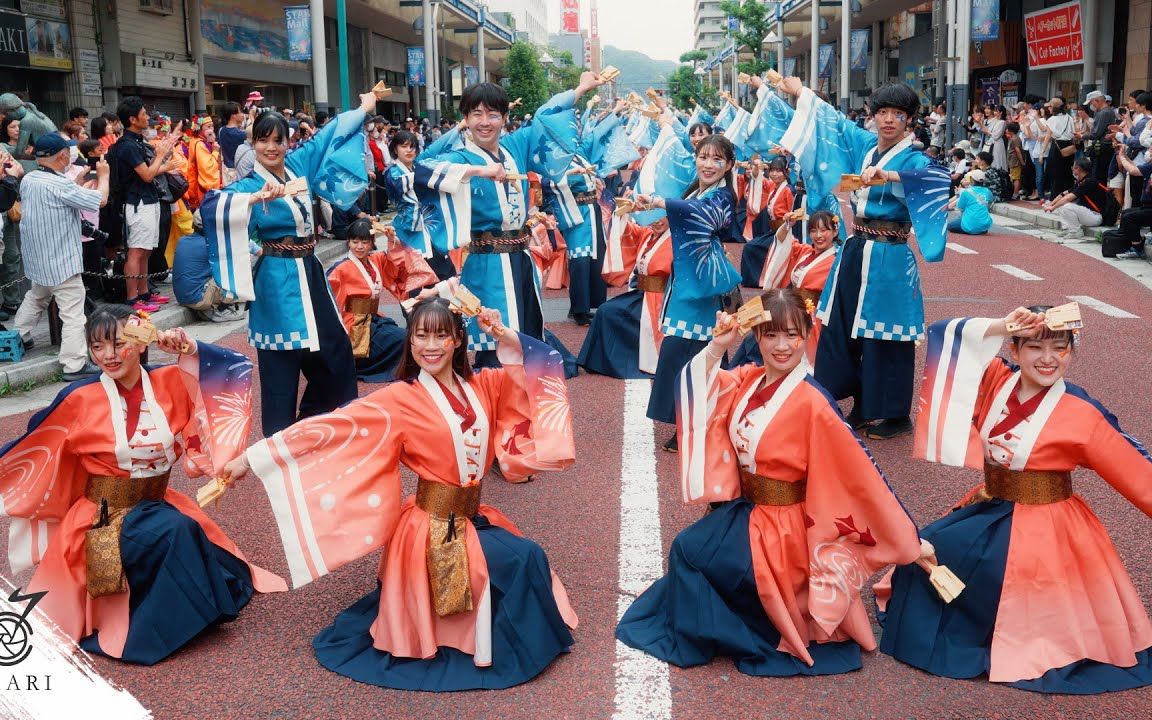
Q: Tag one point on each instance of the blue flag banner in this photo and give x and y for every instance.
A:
(298, 20)
(416, 69)
(827, 52)
(859, 44)
(985, 20)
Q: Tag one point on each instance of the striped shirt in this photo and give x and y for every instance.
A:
(50, 227)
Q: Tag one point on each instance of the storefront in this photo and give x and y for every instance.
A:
(36, 55)
(247, 48)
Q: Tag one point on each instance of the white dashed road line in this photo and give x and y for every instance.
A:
(642, 688)
(1017, 272)
(1101, 306)
(960, 248)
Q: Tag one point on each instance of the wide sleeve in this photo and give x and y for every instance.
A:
(856, 524)
(625, 238)
(959, 367)
(533, 424)
(770, 120)
(1120, 459)
(333, 160)
(705, 396)
(668, 170)
(926, 187)
(225, 214)
(334, 482)
(40, 478)
(551, 140)
(402, 269)
(219, 386)
(826, 145)
(442, 182)
(700, 266)
(783, 255)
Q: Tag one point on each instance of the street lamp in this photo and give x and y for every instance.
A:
(546, 59)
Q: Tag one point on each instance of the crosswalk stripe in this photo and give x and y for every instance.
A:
(1101, 306)
(642, 687)
(1017, 272)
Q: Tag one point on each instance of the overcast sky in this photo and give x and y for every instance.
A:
(661, 29)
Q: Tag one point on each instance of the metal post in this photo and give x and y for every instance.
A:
(196, 50)
(429, 53)
(342, 53)
(735, 74)
(845, 52)
(1089, 23)
(957, 98)
(480, 45)
(319, 55)
(814, 56)
(442, 81)
(874, 65)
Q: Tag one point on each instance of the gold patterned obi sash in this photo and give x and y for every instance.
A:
(766, 491)
(1028, 487)
(114, 497)
(363, 309)
(448, 508)
(651, 283)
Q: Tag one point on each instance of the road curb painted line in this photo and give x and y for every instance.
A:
(1017, 272)
(1103, 307)
(643, 691)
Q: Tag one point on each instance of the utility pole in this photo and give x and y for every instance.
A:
(814, 33)
(845, 52)
(319, 55)
(342, 51)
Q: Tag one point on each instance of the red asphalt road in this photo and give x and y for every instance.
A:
(261, 666)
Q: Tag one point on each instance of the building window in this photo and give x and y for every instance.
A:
(160, 7)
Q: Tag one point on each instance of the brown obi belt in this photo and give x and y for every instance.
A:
(489, 243)
(114, 497)
(652, 283)
(448, 508)
(766, 491)
(360, 305)
(586, 198)
(1028, 487)
(883, 230)
(289, 247)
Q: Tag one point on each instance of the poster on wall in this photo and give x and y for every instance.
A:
(298, 20)
(990, 91)
(416, 71)
(826, 54)
(790, 66)
(253, 31)
(49, 43)
(859, 44)
(471, 76)
(985, 20)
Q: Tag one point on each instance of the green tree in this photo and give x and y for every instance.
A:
(684, 87)
(754, 23)
(693, 56)
(527, 78)
(564, 73)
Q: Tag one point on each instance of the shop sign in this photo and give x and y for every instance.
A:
(1054, 36)
(89, 60)
(166, 74)
(51, 9)
(13, 40)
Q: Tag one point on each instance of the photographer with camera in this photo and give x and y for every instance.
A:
(51, 231)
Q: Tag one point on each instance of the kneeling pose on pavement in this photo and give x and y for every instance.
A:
(801, 516)
(464, 600)
(133, 568)
(1049, 606)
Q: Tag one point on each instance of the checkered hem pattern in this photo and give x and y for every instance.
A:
(885, 331)
(277, 341)
(579, 253)
(686, 330)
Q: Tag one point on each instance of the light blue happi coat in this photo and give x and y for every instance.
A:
(701, 272)
(281, 316)
(827, 145)
(467, 205)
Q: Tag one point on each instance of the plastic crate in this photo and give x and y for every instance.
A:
(11, 348)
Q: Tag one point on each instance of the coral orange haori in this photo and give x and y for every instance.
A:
(133, 569)
(801, 517)
(1049, 606)
(464, 600)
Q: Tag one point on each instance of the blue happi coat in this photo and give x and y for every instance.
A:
(470, 204)
(282, 316)
(827, 145)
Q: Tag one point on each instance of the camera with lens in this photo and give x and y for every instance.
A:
(89, 230)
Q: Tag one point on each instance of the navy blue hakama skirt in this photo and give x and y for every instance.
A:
(707, 605)
(528, 632)
(385, 351)
(612, 345)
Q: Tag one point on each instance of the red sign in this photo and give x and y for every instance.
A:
(1054, 37)
(570, 16)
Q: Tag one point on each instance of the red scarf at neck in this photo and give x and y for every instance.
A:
(462, 408)
(1018, 411)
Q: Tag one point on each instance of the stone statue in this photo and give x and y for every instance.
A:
(33, 123)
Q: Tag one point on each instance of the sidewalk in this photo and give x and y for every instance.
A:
(40, 364)
(1028, 218)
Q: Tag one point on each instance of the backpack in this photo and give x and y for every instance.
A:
(1111, 212)
(1113, 242)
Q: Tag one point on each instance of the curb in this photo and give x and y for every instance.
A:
(45, 368)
